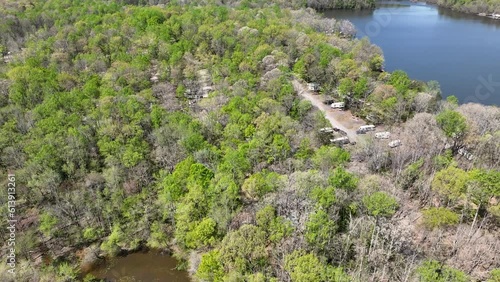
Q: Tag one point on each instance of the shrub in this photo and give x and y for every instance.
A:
(439, 217)
(494, 275)
(434, 271)
(380, 204)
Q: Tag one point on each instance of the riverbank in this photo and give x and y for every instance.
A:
(487, 9)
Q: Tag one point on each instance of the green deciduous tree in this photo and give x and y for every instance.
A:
(439, 217)
(211, 268)
(320, 229)
(328, 157)
(380, 204)
(306, 267)
(342, 179)
(202, 235)
(434, 271)
(494, 275)
(276, 226)
(450, 183)
(452, 123)
(244, 250)
(48, 223)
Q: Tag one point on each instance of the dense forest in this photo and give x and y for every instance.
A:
(110, 153)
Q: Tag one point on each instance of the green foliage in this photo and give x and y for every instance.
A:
(439, 217)
(328, 157)
(494, 275)
(276, 226)
(305, 149)
(202, 235)
(67, 272)
(450, 183)
(90, 134)
(306, 267)
(380, 204)
(147, 17)
(111, 246)
(453, 100)
(400, 80)
(444, 160)
(300, 109)
(325, 198)
(157, 238)
(360, 88)
(495, 210)
(90, 278)
(244, 250)
(411, 174)
(261, 183)
(484, 184)
(434, 271)
(47, 224)
(345, 87)
(342, 179)
(319, 229)
(452, 123)
(175, 185)
(91, 233)
(210, 268)
(377, 63)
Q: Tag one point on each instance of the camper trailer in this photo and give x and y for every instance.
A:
(340, 140)
(365, 128)
(382, 135)
(395, 143)
(338, 105)
(326, 130)
(313, 87)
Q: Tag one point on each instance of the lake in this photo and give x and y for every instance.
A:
(149, 266)
(460, 51)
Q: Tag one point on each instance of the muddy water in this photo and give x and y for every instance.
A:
(147, 267)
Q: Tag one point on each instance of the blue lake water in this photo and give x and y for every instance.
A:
(460, 51)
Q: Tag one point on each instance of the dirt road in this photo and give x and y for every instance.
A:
(343, 120)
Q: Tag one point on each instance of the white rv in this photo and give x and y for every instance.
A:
(326, 130)
(313, 87)
(340, 140)
(382, 135)
(395, 143)
(338, 105)
(364, 128)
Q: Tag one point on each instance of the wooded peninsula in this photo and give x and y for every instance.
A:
(180, 126)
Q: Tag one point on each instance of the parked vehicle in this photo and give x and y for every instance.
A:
(340, 140)
(395, 143)
(313, 87)
(338, 105)
(326, 130)
(365, 128)
(383, 135)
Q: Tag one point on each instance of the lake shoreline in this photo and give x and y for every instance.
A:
(427, 42)
(462, 9)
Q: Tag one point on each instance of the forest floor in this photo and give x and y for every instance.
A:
(344, 120)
